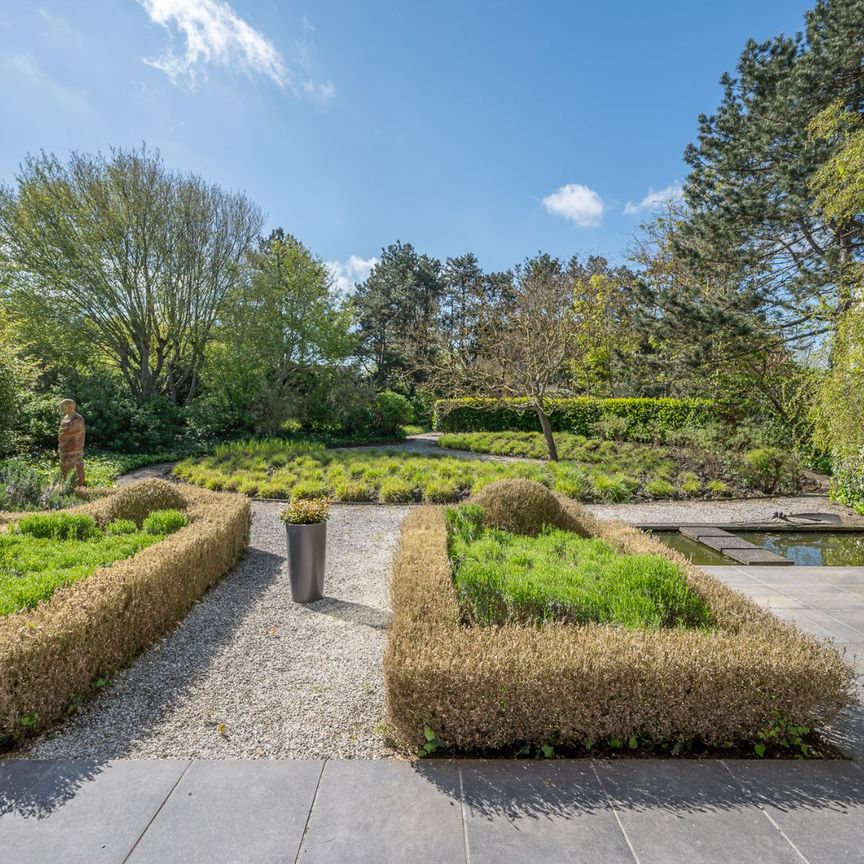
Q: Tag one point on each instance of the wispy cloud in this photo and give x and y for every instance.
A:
(577, 203)
(211, 32)
(26, 67)
(346, 274)
(672, 193)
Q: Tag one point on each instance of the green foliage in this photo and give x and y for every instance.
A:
(392, 411)
(431, 741)
(502, 577)
(58, 526)
(33, 567)
(783, 735)
(647, 418)
(770, 468)
(120, 526)
(24, 486)
(162, 522)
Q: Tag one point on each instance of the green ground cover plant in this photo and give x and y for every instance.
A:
(44, 552)
(695, 462)
(278, 469)
(502, 578)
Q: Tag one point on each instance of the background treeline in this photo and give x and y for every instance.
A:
(156, 299)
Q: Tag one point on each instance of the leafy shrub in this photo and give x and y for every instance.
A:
(612, 428)
(392, 410)
(770, 469)
(58, 526)
(120, 526)
(518, 505)
(25, 487)
(504, 578)
(659, 488)
(646, 417)
(137, 501)
(163, 522)
(847, 483)
(306, 511)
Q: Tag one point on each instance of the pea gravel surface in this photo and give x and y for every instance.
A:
(250, 673)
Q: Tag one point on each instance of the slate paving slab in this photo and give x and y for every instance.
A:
(539, 812)
(819, 806)
(372, 812)
(233, 812)
(80, 811)
(691, 812)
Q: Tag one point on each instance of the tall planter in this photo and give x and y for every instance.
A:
(307, 550)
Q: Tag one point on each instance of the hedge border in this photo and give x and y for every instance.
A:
(482, 688)
(97, 625)
(578, 414)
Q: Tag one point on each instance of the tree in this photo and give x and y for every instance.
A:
(752, 222)
(397, 310)
(523, 345)
(133, 259)
(279, 325)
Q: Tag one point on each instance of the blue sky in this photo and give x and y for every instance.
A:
(500, 128)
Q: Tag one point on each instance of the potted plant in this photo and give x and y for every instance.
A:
(306, 523)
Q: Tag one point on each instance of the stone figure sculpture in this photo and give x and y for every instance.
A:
(70, 441)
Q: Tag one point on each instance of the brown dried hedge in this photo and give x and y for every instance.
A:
(494, 687)
(100, 623)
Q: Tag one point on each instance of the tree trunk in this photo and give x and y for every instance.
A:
(546, 426)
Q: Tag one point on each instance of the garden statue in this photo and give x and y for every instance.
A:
(70, 441)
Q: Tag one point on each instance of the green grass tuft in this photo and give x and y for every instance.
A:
(505, 578)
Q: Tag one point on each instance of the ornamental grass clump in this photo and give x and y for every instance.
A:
(503, 578)
(518, 505)
(306, 511)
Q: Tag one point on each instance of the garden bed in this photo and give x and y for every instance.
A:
(88, 626)
(744, 683)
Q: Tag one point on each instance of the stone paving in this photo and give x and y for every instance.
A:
(627, 810)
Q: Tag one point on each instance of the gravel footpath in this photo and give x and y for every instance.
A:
(287, 681)
(744, 510)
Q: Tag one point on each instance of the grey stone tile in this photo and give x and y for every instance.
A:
(84, 811)
(851, 619)
(815, 619)
(539, 812)
(818, 805)
(236, 812)
(691, 812)
(378, 812)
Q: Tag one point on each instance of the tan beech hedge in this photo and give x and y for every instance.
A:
(479, 687)
(98, 624)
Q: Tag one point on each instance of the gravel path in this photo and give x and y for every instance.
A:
(745, 510)
(287, 681)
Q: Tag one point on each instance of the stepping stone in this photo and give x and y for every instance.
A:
(721, 544)
(757, 556)
(697, 532)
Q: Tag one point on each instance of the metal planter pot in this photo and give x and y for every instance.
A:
(307, 550)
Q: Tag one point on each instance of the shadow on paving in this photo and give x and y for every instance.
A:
(353, 613)
(36, 788)
(184, 657)
(516, 789)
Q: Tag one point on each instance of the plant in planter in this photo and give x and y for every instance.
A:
(306, 524)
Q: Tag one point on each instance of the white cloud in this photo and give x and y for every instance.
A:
(346, 274)
(211, 32)
(577, 203)
(672, 193)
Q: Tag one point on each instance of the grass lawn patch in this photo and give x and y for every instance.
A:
(748, 683)
(501, 578)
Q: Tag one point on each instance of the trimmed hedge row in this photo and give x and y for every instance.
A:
(494, 687)
(55, 651)
(575, 415)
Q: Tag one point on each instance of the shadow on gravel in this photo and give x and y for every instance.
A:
(35, 788)
(353, 613)
(513, 789)
(163, 675)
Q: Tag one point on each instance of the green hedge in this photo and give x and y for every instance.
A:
(646, 416)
